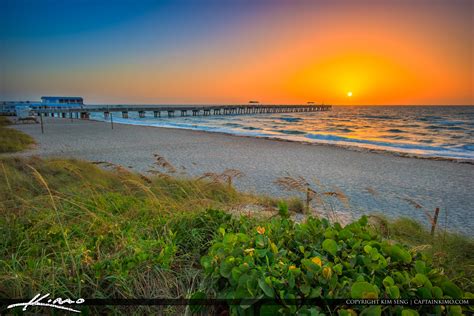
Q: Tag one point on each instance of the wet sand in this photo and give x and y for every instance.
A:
(374, 182)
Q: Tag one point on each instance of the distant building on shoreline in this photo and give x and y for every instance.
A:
(9, 107)
(62, 101)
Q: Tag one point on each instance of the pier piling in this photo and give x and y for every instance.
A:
(196, 110)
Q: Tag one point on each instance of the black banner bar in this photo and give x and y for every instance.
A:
(265, 301)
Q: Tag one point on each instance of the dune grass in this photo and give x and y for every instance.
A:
(70, 227)
(12, 140)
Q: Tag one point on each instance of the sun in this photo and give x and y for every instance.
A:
(349, 94)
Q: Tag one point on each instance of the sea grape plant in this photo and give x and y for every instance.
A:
(284, 261)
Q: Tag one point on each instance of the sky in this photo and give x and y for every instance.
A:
(391, 52)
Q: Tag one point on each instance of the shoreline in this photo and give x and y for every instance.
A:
(374, 182)
(346, 147)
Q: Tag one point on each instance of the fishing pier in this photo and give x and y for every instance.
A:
(84, 112)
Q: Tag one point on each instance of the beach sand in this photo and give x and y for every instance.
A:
(374, 182)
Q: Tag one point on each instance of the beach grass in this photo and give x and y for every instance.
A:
(12, 140)
(71, 227)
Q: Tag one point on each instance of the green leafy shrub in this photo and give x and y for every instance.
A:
(285, 261)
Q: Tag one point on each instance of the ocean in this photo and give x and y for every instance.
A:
(422, 131)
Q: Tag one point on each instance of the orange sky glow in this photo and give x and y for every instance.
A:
(398, 53)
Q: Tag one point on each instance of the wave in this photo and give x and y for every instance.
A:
(468, 147)
(291, 119)
(397, 137)
(233, 125)
(429, 118)
(292, 132)
(395, 130)
(437, 151)
(381, 117)
(450, 123)
(345, 130)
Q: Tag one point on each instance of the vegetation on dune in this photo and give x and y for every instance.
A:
(454, 253)
(12, 140)
(73, 229)
(285, 261)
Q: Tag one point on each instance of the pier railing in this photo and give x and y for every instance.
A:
(182, 110)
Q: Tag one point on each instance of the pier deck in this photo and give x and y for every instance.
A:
(182, 110)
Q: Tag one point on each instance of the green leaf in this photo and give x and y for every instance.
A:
(424, 293)
(229, 238)
(206, 263)
(291, 280)
(397, 253)
(367, 248)
(345, 234)
(363, 290)
(225, 269)
(266, 288)
(316, 292)
(399, 277)
(252, 283)
(259, 241)
(382, 262)
(242, 237)
(437, 292)
(409, 312)
(244, 267)
(345, 312)
(420, 266)
(374, 254)
(305, 289)
(330, 233)
(420, 279)
(236, 273)
(274, 248)
(388, 281)
(338, 269)
(310, 266)
(330, 246)
(372, 311)
(455, 310)
(450, 289)
(394, 291)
